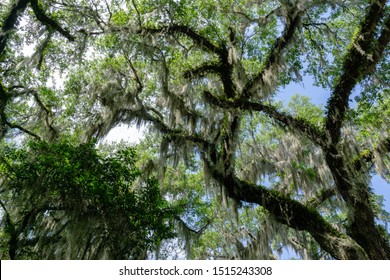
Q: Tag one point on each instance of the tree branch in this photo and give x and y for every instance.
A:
(4, 98)
(287, 121)
(200, 40)
(274, 56)
(359, 61)
(202, 70)
(321, 197)
(175, 98)
(291, 213)
(49, 22)
(171, 134)
(48, 115)
(11, 125)
(365, 52)
(10, 21)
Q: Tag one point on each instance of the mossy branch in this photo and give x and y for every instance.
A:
(359, 62)
(291, 213)
(49, 22)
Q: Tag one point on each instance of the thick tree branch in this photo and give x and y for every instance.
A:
(199, 39)
(356, 194)
(365, 52)
(202, 70)
(10, 21)
(49, 22)
(288, 121)
(359, 61)
(291, 213)
(12, 18)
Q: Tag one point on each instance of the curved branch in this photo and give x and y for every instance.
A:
(170, 133)
(194, 231)
(291, 213)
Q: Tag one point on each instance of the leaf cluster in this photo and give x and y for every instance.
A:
(77, 184)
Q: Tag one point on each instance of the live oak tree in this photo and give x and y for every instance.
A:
(256, 176)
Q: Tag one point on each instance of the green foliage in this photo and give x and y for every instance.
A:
(82, 185)
(302, 107)
(203, 76)
(369, 114)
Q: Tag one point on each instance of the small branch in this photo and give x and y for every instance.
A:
(136, 76)
(4, 208)
(320, 198)
(4, 98)
(198, 232)
(108, 9)
(10, 125)
(171, 134)
(42, 48)
(48, 113)
(138, 13)
(367, 156)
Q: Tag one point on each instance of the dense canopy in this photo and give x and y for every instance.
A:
(226, 170)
